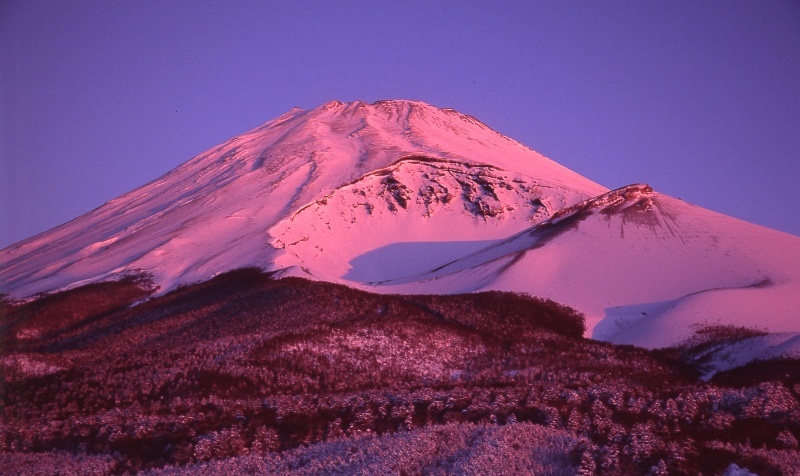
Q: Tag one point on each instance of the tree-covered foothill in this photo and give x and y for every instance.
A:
(246, 374)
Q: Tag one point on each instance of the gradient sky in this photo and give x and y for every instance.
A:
(700, 99)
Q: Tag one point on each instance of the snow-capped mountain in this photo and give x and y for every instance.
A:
(400, 196)
(215, 212)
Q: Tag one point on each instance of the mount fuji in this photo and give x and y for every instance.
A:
(402, 197)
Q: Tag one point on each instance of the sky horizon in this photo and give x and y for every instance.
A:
(698, 99)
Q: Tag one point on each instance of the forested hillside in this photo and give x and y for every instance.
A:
(246, 373)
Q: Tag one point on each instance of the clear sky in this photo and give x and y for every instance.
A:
(700, 99)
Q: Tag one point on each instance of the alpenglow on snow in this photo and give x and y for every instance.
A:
(404, 197)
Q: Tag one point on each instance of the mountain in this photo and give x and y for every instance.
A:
(214, 213)
(393, 288)
(403, 197)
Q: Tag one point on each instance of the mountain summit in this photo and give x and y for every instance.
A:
(215, 212)
(400, 197)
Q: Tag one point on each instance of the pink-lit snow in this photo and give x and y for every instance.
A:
(402, 197)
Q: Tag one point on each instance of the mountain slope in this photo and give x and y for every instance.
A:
(245, 374)
(411, 216)
(400, 196)
(212, 214)
(646, 268)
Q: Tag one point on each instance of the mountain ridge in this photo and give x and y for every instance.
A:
(276, 168)
(404, 197)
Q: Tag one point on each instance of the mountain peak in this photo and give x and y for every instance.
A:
(412, 116)
(402, 196)
(212, 213)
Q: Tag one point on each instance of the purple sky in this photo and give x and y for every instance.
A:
(699, 99)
